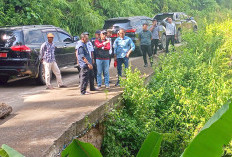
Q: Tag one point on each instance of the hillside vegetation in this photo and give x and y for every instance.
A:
(77, 16)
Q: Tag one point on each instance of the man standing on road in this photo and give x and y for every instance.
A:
(97, 36)
(170, 32)
(145, 37)
(47, 57)
(91, 72)
(102, 59)
(123, 46)
(155, 36)
(85, 62)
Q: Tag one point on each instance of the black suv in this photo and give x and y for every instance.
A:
(20, 47)
(132, 25)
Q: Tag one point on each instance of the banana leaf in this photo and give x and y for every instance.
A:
(151, 145)
(3, 153)
(10, 151)
(216, 133)
(80, 149)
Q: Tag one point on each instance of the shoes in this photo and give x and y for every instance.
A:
(95, 89)
(62, 86)
(117, 84)
(145, 65)
(86, 93)
(49, 88)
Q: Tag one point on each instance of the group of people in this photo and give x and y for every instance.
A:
(94, 56)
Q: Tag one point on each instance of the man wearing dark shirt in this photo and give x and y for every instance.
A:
(85, 62)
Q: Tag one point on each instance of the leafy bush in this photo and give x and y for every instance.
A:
(188, 87)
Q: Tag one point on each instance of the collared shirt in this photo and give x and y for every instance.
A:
(155, 32)
(145, 37)
(170, 29)
(82, 51)
(122, 46)
(111, 50)
(90, 48)
(47, 52)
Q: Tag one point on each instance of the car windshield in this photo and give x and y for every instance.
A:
(117, 24)
(163, 16)
(10, 38)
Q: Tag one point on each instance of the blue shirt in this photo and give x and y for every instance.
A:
(82, 51)
(47, 52)
(155, 32)
(122, 46)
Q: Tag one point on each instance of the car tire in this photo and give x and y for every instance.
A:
(4, 79)
(40, 80)
(163, 41)
(179, 36)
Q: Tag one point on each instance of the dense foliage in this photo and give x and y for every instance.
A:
(188, 87)
(77, 15)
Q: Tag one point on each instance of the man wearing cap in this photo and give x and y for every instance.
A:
(47, 57)
(85, 62)
(155, 36)
(91, 72)
(102, 59)
(145, 37)
(123, 46)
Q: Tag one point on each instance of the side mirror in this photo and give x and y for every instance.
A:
(76, 38)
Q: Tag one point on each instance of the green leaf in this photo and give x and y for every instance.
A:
(151, 145)
(216, 133)
(11, 152)
(3, 153)
(78, 148)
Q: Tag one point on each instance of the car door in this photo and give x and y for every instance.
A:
(68, 50)
(57, 43)
(34, 39)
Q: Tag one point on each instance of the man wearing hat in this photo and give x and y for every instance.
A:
(145, 37)
(155, 36)
(47, 57)
(102, 59)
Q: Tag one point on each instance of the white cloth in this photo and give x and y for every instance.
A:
(110, 51)
(54, 68)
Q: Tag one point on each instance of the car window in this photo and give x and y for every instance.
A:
(55, 40)
(163, 16)
(34, 37)
(64, 37)
(112, 24)
(10, 38)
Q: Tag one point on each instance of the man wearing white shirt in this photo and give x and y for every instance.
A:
(170, 32)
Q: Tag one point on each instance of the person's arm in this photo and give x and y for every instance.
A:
(115, 46)
(132, 45)
(93, 57)
(41, 53)
(152, 28)
(100, 45)
(175, 32)
(81, 54)
(140, 36)
(107, 46)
